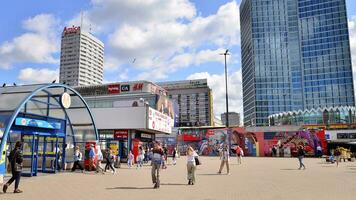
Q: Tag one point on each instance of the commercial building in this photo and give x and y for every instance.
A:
(50, 120)
(234, 118)
(82, 58)
(129, 114)
(295, 56)
(195, 101)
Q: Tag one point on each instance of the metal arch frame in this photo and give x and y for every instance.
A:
(22, 104)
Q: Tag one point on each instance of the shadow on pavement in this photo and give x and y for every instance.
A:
(173, 184)
(130, 188)
(210, 174)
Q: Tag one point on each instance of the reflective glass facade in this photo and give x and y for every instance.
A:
(295, 56)
(321, 116)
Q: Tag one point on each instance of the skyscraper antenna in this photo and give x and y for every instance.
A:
(81, 19)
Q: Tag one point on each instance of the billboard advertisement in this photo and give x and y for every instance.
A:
(159, 121)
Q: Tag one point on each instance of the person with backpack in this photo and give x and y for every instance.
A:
(157, 160)
(77, 157)
(16, 160)
(224, 157)
(301, 154)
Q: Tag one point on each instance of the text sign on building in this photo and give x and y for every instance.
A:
(69, 30)
(138, 87)
(121, 134)
(125, 88)
(114, 89)
(159, 121)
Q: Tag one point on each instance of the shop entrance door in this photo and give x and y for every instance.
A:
(42, 152)
(50, 152)
(30, 156)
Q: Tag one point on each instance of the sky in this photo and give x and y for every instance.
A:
(168, 39)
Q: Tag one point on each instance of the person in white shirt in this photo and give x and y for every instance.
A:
(224, 157)
(77, 157)
(191, 165)
(100, 159)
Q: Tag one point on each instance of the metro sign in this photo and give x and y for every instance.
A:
(114, 89)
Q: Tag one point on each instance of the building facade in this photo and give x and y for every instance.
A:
(129, 114)
(234, 118)
(194, 98)
(295, 56)
(82, 58)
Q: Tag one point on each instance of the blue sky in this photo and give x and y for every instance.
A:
(171, 40)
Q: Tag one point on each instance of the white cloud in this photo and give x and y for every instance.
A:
(160, 33)
(352, 32)
(217, 84)
(44, 75)
(36, 45)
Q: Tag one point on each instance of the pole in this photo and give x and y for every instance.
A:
(227, 96)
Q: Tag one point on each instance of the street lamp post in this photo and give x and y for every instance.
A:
(227, 96)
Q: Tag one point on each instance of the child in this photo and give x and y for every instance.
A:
(130, 159)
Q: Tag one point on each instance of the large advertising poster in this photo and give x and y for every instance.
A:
(206, 142)
(159, 121)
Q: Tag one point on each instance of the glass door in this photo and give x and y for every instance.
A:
(30, 156)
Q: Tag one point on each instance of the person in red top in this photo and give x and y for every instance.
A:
(239, 154)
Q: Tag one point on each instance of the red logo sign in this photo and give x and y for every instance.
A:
(138, 86)
(114, 89)
(121, 134)
(71, 30)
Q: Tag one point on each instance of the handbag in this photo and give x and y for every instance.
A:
(197, 161)
(17, 166)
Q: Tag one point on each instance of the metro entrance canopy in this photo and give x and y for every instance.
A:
(46, 111)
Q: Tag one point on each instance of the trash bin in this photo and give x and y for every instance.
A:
(117, 163)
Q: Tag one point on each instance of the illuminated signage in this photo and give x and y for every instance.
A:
(125, 88)
(121, 134)
(66, 100)
(114, 89)
(20, 121)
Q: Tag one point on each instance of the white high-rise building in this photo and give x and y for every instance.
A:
(82, 58)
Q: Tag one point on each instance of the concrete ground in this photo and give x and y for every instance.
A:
(256, 178)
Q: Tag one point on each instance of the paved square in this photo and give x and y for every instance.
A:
(256, 178)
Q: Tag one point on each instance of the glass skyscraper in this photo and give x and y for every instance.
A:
(295, 56)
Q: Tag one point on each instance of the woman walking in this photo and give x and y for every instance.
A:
(175, 155)
(239, 154)
(191, 165)
(301, 154)
(77, 157)
(16, 159)
(99, 168)
(224, 157)
(130, 159)
(140, 157)
(110, 159)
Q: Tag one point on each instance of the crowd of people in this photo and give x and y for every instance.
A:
(158, 156)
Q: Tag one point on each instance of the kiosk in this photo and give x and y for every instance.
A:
(50, 120)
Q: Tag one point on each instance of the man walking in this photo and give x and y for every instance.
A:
(157, 160)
